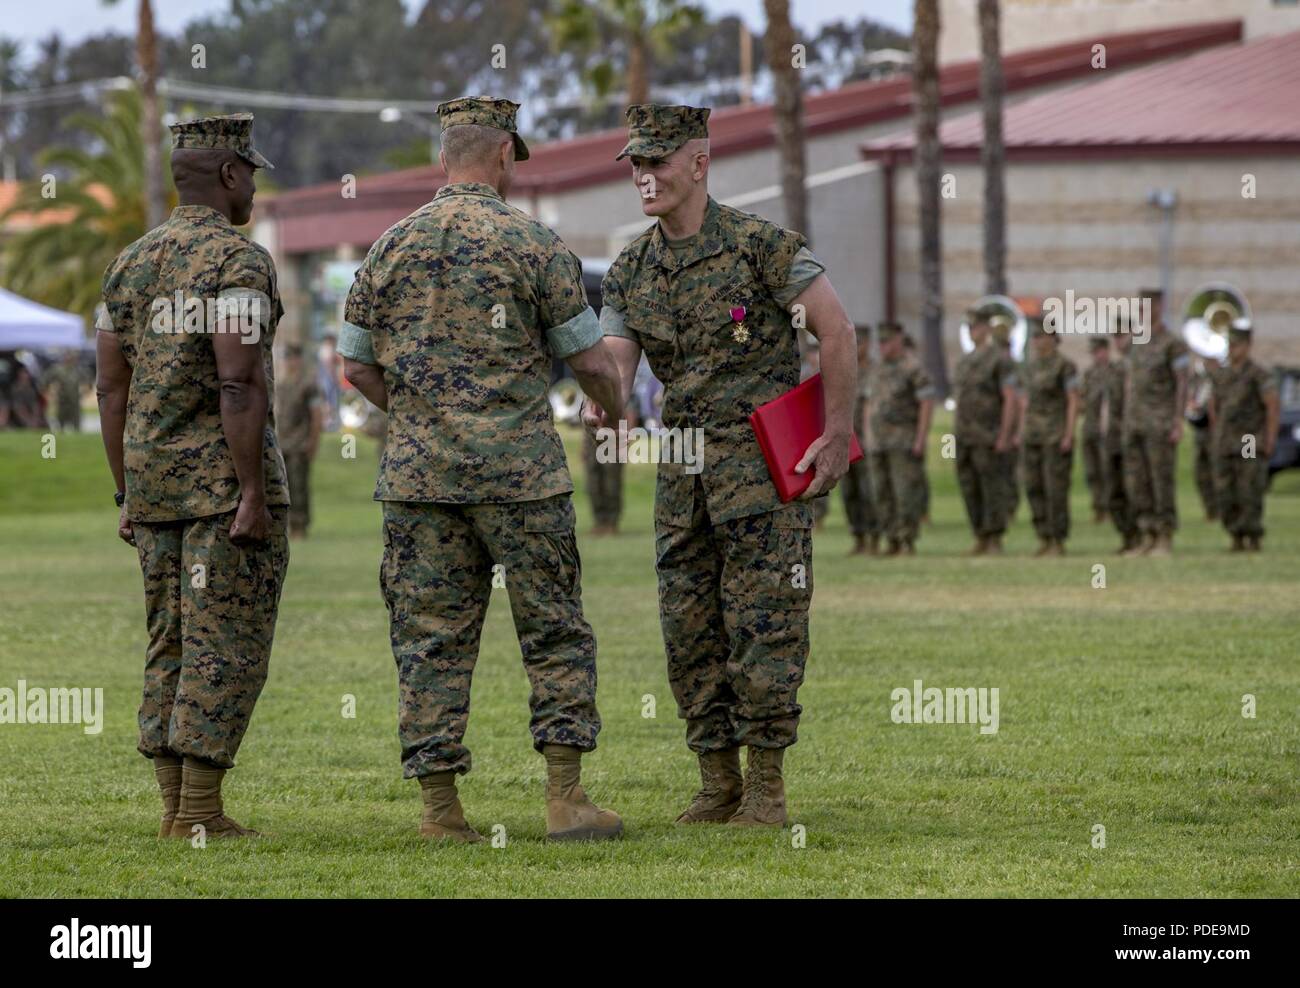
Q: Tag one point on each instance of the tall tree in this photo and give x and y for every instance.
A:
(778, 44)
(99, 209)
(645, 27)
(993, 154)
(929, 164)
(146, 59)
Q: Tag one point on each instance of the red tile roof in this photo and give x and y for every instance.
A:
(1236, 99)
(316, 218)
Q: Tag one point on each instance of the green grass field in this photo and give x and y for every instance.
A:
(1119, 706)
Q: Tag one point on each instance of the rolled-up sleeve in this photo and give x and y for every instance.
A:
(355, 344)
(574, 335)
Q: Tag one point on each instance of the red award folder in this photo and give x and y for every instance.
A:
(785, 427)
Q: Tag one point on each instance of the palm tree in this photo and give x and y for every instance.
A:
(645, 26)
(146, 57)
(789, 113)
(99, 209)
(993, 155)
(929, 163)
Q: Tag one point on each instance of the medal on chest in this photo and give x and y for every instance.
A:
(739, 331)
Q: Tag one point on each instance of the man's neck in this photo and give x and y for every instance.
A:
(197, 200)
(1240, 362)
(687, 219)
(472, 178)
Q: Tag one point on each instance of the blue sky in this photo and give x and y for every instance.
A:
(76, 19)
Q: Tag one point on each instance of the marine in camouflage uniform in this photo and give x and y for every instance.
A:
(1009, 459)
(65, 380)
(1093, 396)
(604, 486)
(710, 312)
(1198, 416)
(899, 401)
(212, 587)
(1051, 404)
(300, 411)
(1246, 411)
(859, 502)
(1117, 502)
(1153, 426)
(461, 306)
(985, 382)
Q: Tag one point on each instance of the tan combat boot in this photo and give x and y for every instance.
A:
(1142, 544)
(895, 547)
(167, 770)
(1044, 547)
(980, 547)
(763, 802)
(201, 803)
(720, 788)
(1253, 543)
(570, 815)
(907, 548)
(442, 817)
(993, 545)
(1162, 546)
(1238, 543)
(859, 546)
(1057, 549)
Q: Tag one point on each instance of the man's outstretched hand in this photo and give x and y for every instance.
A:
(594, 417)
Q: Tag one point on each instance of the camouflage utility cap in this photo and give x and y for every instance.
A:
(486, 112)
(655, 131)
(233, 133)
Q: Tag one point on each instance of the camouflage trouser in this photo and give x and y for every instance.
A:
(1240, 483)
(733, 606)
(1095, 472)
(983, 488)
(859, 505)
(1117, 503)
(1204, 471)
(1150, 461)
(604, 484)
(211, 608)
(821, 507)
(898, 482)
(1047, 488)
(297, 467)
(437, 575)
(1011, 482)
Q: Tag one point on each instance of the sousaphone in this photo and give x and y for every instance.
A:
(1009, 314)
(1208, 316)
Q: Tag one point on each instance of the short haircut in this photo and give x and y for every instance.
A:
(466, 145)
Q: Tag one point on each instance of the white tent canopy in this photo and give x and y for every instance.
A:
(28, 325)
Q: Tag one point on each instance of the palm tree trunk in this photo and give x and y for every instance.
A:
(993, 155)
(929, 163)
(146, 51)
(638, 69)
(789, 114)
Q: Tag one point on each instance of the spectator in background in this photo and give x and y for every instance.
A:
(331, 370)
(63, 383)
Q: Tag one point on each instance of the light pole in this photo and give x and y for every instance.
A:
(392, 114)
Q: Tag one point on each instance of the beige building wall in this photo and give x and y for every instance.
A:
(1087, 226)
(1036, 23)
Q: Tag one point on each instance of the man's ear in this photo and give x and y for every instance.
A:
(507, 154)
(227, 173)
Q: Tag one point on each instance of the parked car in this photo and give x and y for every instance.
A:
(1286, 453)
